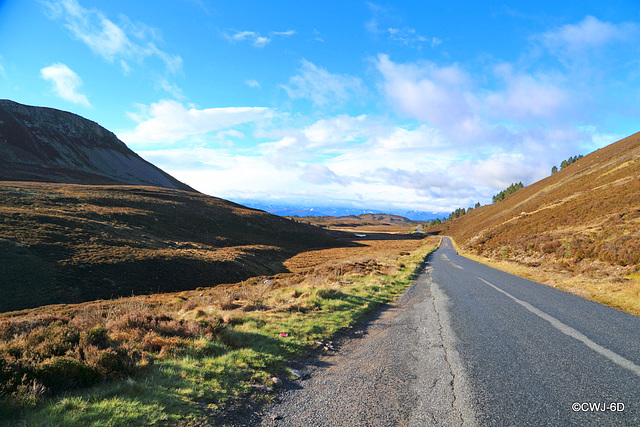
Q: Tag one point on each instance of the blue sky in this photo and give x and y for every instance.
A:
(386, 106)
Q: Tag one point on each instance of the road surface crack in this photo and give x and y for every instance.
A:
(460, 404)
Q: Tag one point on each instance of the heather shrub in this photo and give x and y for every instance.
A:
(48, 355)
(330, 293)
(65, 373)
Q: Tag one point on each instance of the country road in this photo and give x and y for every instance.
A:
(470, 345)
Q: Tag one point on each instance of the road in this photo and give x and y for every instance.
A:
(470, 345)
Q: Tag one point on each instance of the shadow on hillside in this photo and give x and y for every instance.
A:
(30, 282)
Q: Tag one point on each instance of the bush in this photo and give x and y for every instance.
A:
(330, 293)
(65, 373)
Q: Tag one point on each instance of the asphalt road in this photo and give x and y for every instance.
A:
(470, 345)
(534, 354)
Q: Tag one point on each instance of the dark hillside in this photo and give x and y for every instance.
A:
(63, 243)
(48, 145)
(584, 219)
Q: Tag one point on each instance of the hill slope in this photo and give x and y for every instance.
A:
(370, 223)
(583, 219)
(63, 243)
(48, 145)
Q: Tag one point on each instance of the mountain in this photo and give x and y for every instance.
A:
(335, 211)
(48, 145)
(584, 219)
(301, 211)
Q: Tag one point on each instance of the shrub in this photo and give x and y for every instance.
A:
(65, 373)
(330, 293)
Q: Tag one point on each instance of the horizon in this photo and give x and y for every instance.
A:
(375, 106)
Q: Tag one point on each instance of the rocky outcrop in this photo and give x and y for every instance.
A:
(48, 145)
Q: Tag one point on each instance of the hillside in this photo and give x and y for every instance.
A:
(64, 243)
(370, 223)
(48, 145)
(583, 220)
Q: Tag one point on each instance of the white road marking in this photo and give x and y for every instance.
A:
(447, 260)
(568, 330)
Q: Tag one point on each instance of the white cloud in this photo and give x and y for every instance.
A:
(320, 174)
(253, 83)
(111, 41)
(366, 161)
(284, 33)
(406, 36)
(525, 96)
(171, 88)
(254, 38)
(450, 99)
(590, 33)
(441, 96)
(65, 83)
(170, 121)
(322, 87)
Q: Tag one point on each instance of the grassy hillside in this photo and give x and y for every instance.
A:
(63, 243)
(583, 220)
(364, 223)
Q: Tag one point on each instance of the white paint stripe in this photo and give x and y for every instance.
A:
(568, 330)
(451, 263)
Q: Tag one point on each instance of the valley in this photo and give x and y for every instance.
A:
(129, 298)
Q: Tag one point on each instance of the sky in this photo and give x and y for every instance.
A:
(370, 105)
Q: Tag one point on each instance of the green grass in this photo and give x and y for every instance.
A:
(205, 376)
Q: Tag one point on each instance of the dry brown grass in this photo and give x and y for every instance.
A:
(376, 245)
(620, 292)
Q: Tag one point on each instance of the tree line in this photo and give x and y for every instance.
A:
(462, 211)
(501, 195)
(508, 191)
(566, 163)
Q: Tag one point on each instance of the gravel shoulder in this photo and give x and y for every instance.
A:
(399, 367)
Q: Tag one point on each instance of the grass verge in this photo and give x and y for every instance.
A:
(183, 358)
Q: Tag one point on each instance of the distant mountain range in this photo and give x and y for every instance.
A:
(47, 145)
(289, 210)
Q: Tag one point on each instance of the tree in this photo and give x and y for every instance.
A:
(508, 191)
(566, 163)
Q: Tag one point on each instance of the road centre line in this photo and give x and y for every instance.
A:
(568, 330)
(451, 263)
